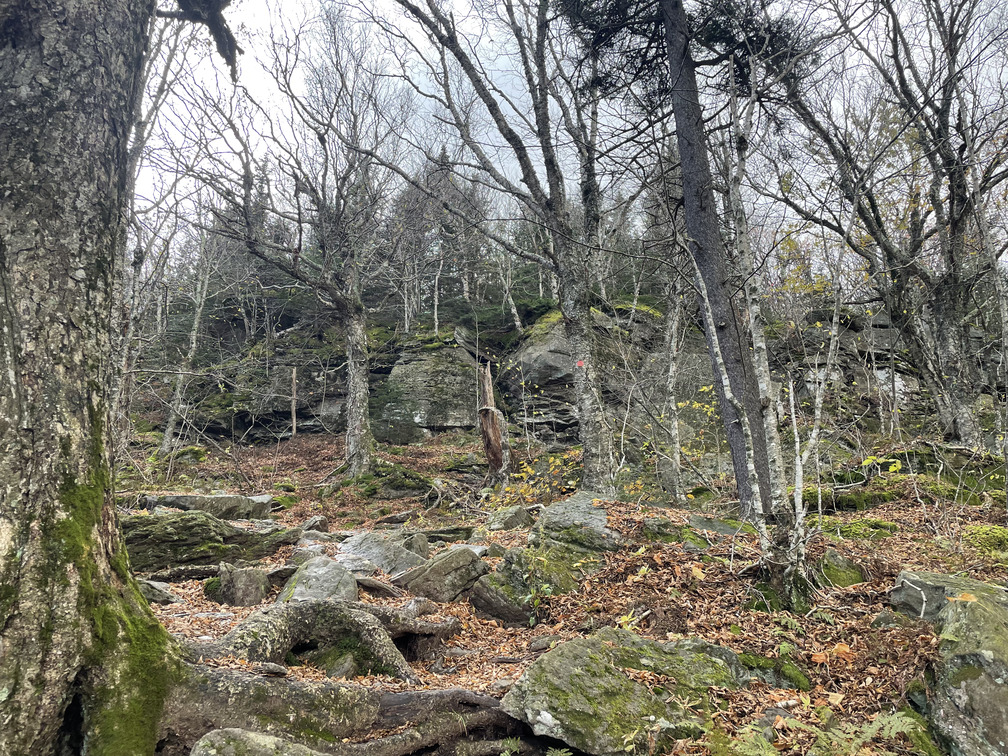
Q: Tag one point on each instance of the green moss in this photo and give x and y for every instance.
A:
(212, 589)
(860, 529)
(366, 661)
(966, 673)
(286, 501)
(783, 668)
(988, 539)
(765, 599)
(542, 327)
(130, 653)
(920, 736)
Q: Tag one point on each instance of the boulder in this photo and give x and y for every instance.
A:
(496, 598)
(225, 506)
(538, 380)
(446, 576)
(177, 538)
(430, 389)
(358, 565)
(320, 578)
(156, 592)
(576, 522)
(719, 526)
(242, 586)
(525, 576)
(316, 522)
(968, 708)
(839, 571)
(610, 693)
(388, 551)
(510, 518)
(234, 742)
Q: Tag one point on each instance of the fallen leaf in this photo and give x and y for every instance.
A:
(843, 651)
(835, 698)
(819, 657)
(962, 597)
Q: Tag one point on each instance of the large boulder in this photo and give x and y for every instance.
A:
(156, 541)
(388, 551)
(225, 506)
(320, 578)
(579, 522)
(446, 576)
(514, 591)
(430, 389)
(538, 380)
(609, 693)
(968, 708)
(242, 586)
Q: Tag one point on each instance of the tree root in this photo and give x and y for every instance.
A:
(368, 631)
(325, 717)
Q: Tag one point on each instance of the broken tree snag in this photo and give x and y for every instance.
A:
(493, 429)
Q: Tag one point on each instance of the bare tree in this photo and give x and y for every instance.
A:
(922, 148)
(501, 127)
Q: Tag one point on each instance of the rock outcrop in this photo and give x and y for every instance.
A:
(968, 706)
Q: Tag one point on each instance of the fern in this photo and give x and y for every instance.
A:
(845, 739)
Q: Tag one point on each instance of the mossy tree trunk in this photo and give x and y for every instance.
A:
(80, 652)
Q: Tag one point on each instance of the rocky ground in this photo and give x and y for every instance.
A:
(585, 615)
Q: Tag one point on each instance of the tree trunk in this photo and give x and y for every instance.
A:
(721, 320)
(594, 433)
(359, 441)
(178, 394)
(79, 649)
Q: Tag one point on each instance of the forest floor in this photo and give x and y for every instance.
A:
(659, 590)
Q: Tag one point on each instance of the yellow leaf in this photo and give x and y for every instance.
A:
(697, 572)
(843, 651)
(963, 597)
(835, 698)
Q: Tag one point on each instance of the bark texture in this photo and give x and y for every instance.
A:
(721, 319)
(71, 621)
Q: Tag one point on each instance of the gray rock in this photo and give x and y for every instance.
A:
(233, 742)
(320, 578)
(302, 554)
(224, 506)
(446, 577)
(490, 595)
(539, 377)
(156, 592)
(721, 527)
(316, 522)
(358, 565)
(969, 707)
(510, 518)
(242, 586)
(314, 536)
(579, 692)
(386, 550)
(576, 522)
(479, 549)
(280, 575)
(428, 390)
